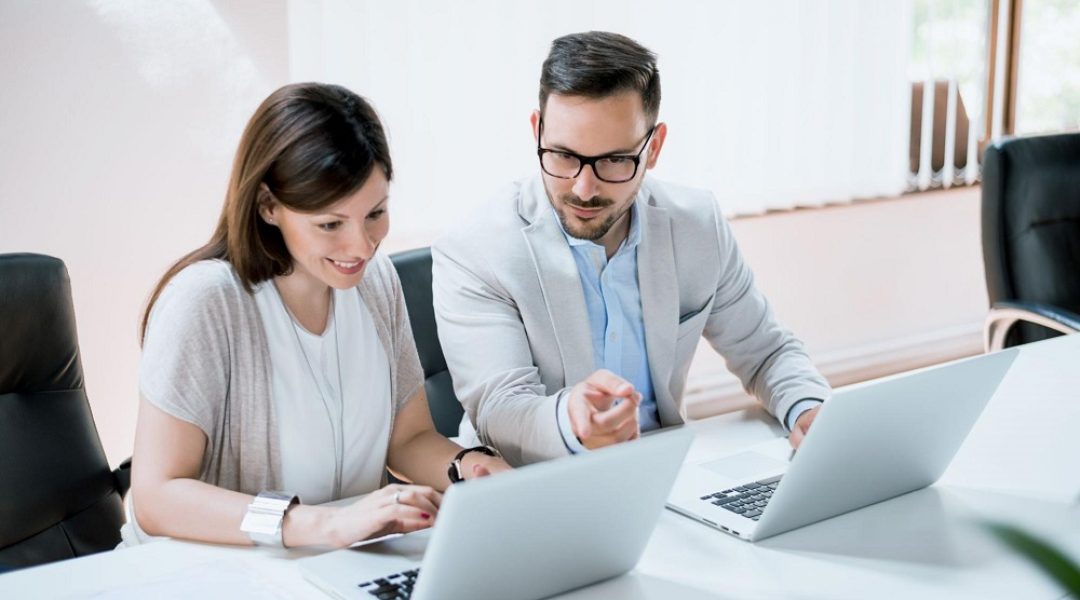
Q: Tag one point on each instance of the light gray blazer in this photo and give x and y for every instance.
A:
(515, 331)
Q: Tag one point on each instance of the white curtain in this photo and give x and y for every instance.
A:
(771, 105)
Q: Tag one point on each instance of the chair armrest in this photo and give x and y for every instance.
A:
(122, 477)
(1003, 315)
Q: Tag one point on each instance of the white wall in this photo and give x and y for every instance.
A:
(815, 91)
(118, 120)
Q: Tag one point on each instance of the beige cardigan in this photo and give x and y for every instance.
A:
(205, 361)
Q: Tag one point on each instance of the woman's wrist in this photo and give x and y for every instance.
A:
(309, 526)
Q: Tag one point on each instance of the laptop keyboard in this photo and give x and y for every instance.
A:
(398, 586)
(748, 500)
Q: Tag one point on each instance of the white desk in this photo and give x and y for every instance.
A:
(1020, 464)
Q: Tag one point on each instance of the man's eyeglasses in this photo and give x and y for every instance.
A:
(612, 168)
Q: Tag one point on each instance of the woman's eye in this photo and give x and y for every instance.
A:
(331, 226)
(375, 216)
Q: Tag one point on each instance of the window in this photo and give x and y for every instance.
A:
(1048, 86)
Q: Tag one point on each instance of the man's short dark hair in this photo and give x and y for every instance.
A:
(599, 64)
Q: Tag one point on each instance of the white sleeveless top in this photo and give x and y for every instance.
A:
(314, 415)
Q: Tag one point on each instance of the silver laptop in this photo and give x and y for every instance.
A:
(529, 533)
(869, 443)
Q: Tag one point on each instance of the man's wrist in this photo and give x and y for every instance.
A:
(797, 411)
(566, 428)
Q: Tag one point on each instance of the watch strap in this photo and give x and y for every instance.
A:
(454, 471)
(265, 516)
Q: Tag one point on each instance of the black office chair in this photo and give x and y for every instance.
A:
(58, 497)
(1031, 238)
(414, 270)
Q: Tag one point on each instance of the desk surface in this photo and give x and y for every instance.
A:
(1018, 465)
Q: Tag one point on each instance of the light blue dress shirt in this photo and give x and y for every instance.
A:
(617, 329)
(616, 326)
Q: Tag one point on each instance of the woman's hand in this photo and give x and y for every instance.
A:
(392, 509)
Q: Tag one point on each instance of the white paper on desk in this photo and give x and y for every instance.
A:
(389, 536)
(230, 578)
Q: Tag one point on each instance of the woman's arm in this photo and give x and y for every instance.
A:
(420, 453)
(170, 500)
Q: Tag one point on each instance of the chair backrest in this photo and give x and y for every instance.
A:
(1031, 225)
(58, 498)
(414, 270)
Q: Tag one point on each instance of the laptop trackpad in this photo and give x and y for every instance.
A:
(745, 466)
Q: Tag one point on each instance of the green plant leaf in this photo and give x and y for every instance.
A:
(1051, 560)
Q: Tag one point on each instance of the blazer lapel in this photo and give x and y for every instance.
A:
(560, 283)
(659, 304)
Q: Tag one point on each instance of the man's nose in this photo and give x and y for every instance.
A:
(586, 184)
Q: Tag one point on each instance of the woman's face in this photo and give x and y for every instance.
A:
(333, 245)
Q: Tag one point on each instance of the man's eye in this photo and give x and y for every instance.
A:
(331, 226)
(617, 161)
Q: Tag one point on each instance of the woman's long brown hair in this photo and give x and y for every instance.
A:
(311, 144)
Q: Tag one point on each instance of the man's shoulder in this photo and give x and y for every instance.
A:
(680, 200)
(494, 224)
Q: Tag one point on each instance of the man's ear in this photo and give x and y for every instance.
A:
(534, 120)
(268, 205)
(656, 143)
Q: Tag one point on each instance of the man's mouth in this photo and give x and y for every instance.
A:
(585, 213)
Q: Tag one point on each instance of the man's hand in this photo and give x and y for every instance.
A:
(802, 426)
(604, 410)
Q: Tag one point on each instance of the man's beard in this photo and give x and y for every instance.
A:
(591, 230)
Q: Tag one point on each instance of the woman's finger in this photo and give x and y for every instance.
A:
(430, 493)
(416, 498)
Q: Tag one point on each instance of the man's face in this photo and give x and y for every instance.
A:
(588, 207)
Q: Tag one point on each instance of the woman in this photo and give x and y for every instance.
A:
(279, 355)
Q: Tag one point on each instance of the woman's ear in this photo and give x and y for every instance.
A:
(268, 205)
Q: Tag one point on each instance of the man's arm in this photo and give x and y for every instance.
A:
(771, 363)
(496, 378)
(487, 351)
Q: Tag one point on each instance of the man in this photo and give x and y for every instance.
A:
(570, 307)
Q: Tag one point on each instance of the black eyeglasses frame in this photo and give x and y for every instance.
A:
(590, 160)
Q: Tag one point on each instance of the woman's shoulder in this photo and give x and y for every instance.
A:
(204, 283)
(207, 274)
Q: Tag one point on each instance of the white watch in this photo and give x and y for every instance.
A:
(263, 519)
